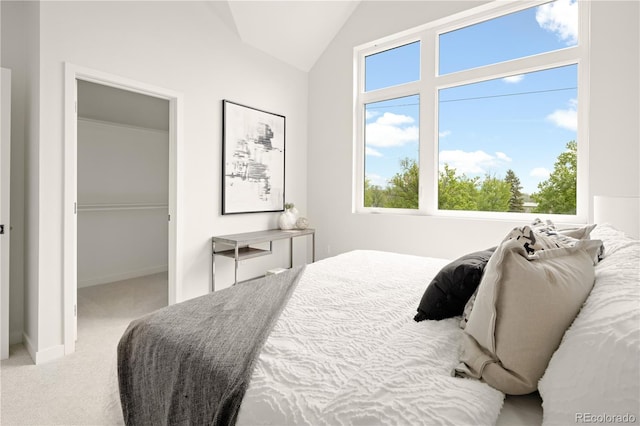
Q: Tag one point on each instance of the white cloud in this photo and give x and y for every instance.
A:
(371, 114)
(391, 119)
(377, 179)
(514, 79)
(540, 172)
(477, 162)
(565, 118)
(388, 131)
(560, 17)
(372, 152)
(444, 133)
(502, 156)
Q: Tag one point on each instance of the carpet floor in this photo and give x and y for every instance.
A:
(80, 388)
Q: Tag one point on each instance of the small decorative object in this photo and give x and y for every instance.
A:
(302, 223)
(287, 219)
(252, 159)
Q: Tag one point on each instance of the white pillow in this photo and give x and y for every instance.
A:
(594, 376)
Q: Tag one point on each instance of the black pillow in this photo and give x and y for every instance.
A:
(451, 288)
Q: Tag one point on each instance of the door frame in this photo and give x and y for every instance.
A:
(70, 278)
(5, 211)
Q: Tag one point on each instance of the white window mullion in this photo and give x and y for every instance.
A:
(428, 126)
(525, 65)
(583, 205)
(394, 92)
(358, 135)
(485, 12)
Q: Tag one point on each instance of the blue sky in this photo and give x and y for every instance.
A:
(521, 122)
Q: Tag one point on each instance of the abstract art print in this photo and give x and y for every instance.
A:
(253, 148)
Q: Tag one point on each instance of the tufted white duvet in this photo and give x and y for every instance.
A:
(594, 376)
(347, 351)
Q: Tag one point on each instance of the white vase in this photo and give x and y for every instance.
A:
(287, 220)
(295, 212)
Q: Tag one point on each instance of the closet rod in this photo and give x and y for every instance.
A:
(121, 125)
(120, 206)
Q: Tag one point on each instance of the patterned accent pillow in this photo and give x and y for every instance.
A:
(467, 309)
(566, 237)
(582, 233)
(532, 240)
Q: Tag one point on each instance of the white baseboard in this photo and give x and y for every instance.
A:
(45, 355)
(88, 282)
(27, 344)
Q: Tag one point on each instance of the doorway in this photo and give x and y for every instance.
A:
(123, 199)
(120, 204)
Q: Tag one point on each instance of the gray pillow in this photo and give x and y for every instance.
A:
(531, 241)
(523, 306)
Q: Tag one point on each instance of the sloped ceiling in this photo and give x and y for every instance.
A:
(296, 32)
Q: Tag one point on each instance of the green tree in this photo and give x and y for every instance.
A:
(374, 195)
(403, 187)
(516, 198)
(557, 194)
(494, 195)
(456, 192)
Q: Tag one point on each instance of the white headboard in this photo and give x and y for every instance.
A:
(621, 212)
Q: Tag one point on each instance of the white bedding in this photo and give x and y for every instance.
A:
(347, 351)
(596, 370)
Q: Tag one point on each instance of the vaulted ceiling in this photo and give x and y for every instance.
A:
(296, 31)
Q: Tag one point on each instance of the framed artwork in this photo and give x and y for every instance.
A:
(253, 149)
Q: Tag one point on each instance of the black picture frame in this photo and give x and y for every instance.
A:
(253, 159)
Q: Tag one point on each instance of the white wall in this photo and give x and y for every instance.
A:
(615, 93)
(185, 47)
(120, 244)
(613, 142)
(120, 164)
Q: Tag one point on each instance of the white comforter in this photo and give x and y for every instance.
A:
(347, 351)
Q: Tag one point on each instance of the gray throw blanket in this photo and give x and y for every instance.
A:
(190, 363)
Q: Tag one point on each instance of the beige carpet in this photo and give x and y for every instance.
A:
(81, 388)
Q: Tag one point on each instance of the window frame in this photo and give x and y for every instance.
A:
(428, 86)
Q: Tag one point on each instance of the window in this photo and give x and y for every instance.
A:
(480, 115)
(391, 129)
(391, 147)
(528, 32)
(392, 67)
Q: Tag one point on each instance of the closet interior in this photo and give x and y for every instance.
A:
(123, 181)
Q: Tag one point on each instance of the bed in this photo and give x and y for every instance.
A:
(340, 346)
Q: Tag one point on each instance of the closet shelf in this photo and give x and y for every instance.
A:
(94, 207)
(94, 121)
